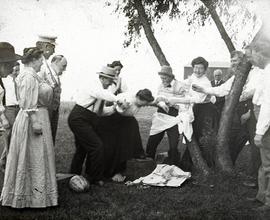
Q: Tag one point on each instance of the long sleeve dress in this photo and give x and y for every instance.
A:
(30, 177)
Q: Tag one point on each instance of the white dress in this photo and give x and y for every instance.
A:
(30, 177)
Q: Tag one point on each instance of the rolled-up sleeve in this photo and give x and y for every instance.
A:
(222, 90)
(104, 94)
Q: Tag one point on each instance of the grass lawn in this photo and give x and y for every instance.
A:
(226, 200)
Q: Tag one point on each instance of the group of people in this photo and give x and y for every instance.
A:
(105, 130)
(30, 100)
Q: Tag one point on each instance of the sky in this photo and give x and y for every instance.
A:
(91, 35)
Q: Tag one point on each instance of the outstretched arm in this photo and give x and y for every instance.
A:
(219, 91)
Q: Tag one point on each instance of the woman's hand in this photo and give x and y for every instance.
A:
(2, 131)
(198, 88)
(244, 118)
(37, 128)
(258, 140)
(5, 124)
(161, 99)
(163, 105)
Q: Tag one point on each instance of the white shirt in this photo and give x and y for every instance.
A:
(119, 83)
(259, 85)
(222, 90)
(55, 75)
(130, 99)
(225, 88)
(46, 73)
(197, 97)
(93, 94)
(252, 84)
(263, 122)
(11, 98)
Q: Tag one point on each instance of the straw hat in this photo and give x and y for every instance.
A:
(107, 72)
(166, 70)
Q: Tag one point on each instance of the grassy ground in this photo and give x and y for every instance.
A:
(225, 200)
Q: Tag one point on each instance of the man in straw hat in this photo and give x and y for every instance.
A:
(83, 122)
(47, 44)
(8, 59)
(168, 88)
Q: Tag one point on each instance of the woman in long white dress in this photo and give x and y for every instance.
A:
(30, 178)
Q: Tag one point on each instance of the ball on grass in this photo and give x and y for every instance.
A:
(79, 184)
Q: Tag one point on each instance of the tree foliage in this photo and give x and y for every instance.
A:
(234, 15)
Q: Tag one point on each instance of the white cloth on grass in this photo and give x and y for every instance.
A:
(164, 175)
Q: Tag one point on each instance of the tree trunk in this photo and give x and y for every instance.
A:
(196, 157)
(149, 33)
(223, 160)
(219, 25)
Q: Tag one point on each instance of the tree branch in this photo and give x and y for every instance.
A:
(219, 25)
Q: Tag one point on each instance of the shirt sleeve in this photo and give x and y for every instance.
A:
(263, 122)
(250, 86)
(222, 90)
(2, 92)
(104, 94)
(28, 93)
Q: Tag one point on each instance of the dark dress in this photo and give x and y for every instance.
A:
(121, 140)
(205, 127)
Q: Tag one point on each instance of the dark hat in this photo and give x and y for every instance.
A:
(166, 70)
(145, 94)
(107, 72)
(116, 63)
(7, 53)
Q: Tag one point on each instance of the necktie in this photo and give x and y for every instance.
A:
(98, 107)
(4, 97)
(169, 86)
(16, 89)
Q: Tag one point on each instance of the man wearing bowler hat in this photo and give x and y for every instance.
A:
(8, 59)
(83, 122)
(168, 88)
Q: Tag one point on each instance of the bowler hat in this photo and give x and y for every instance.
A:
(107, 72)
(166, 70)
(7, 53)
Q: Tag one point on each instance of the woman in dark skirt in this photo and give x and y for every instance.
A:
(121, 135)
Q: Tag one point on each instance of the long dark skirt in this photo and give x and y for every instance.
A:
(122, 142)
(205, 127)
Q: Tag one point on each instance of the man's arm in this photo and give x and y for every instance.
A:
(219, 91)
